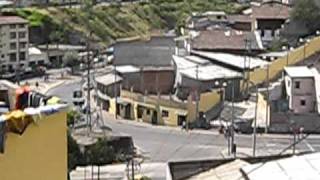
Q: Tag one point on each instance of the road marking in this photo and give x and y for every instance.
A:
(309, 146)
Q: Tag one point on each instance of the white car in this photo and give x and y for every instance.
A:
(78, 98)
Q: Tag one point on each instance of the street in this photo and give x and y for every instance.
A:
(162, 144)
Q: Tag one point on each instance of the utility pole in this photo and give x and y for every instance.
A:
(132, 168)
(18, 58)
(197, 93)
(233, 146)
(115, 91)
(255, 123)
(268, 96)
(294, 131)
(89, 118)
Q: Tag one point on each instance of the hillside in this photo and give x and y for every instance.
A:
(109, 23)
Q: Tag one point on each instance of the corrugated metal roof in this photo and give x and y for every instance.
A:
(108, 79)
(205, 72)
(299, 71)
(293, 168)
(233, 60)
(229, 171)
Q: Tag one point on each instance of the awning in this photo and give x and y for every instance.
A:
(182, 112)
(150, 106)
(120, 101)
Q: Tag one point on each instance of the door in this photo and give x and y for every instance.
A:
(155, 117)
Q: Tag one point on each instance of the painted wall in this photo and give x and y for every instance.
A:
(306, 92)
(295, 56)
(40, 153)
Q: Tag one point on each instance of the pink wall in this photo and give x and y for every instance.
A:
(306, 92)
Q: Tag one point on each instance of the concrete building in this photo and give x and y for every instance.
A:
(14, 43)
(37, 57)
(269, 18)
(146, 66)
(294, 103)
(300, 89)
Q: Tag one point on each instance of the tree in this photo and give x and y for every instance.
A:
(74, 154)
(100, 153)
(70, 59)
(307, 11)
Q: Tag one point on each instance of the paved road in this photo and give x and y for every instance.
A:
(65, 91)
(166, 144)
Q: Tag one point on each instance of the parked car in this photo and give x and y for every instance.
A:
(78, 98)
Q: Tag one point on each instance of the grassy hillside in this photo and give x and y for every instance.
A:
(115, 21)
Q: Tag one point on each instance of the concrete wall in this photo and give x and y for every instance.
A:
(276, 67)
(39, 153)
(282, 122)
(149, 81)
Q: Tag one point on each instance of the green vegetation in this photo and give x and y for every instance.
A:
(70, 59)
(115, 21)
(307, 11)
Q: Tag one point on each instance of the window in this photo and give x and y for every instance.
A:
(303, 102)
(32, 64)
(22, 34)
(165, 114)
(22, 25)
(13, 57)
(2, 55)
(22, 56)
(148, 111)
(297, 85)
(23, 45)
(13, 46)
(262, 33)
(13, 35)
(12, 26)
(41, 62)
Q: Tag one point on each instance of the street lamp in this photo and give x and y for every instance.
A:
(254, 140)
(305, 41)
(287, 49)
(230, 134)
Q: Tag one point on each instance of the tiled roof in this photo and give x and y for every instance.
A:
(12, 20)
(224, 40)
(271, 10)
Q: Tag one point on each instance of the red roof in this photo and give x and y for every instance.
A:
(271, 10)
(224, 40)
(12, 20)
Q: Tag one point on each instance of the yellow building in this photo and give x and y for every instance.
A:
(33, 139)
(39, 153)
(160, 110)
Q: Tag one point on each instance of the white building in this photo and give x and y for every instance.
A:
(14, 43)
(37, 57)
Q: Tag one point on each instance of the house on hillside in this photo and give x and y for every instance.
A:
(295, 102)
(205, 21)
(228, 41)
(269, 18)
